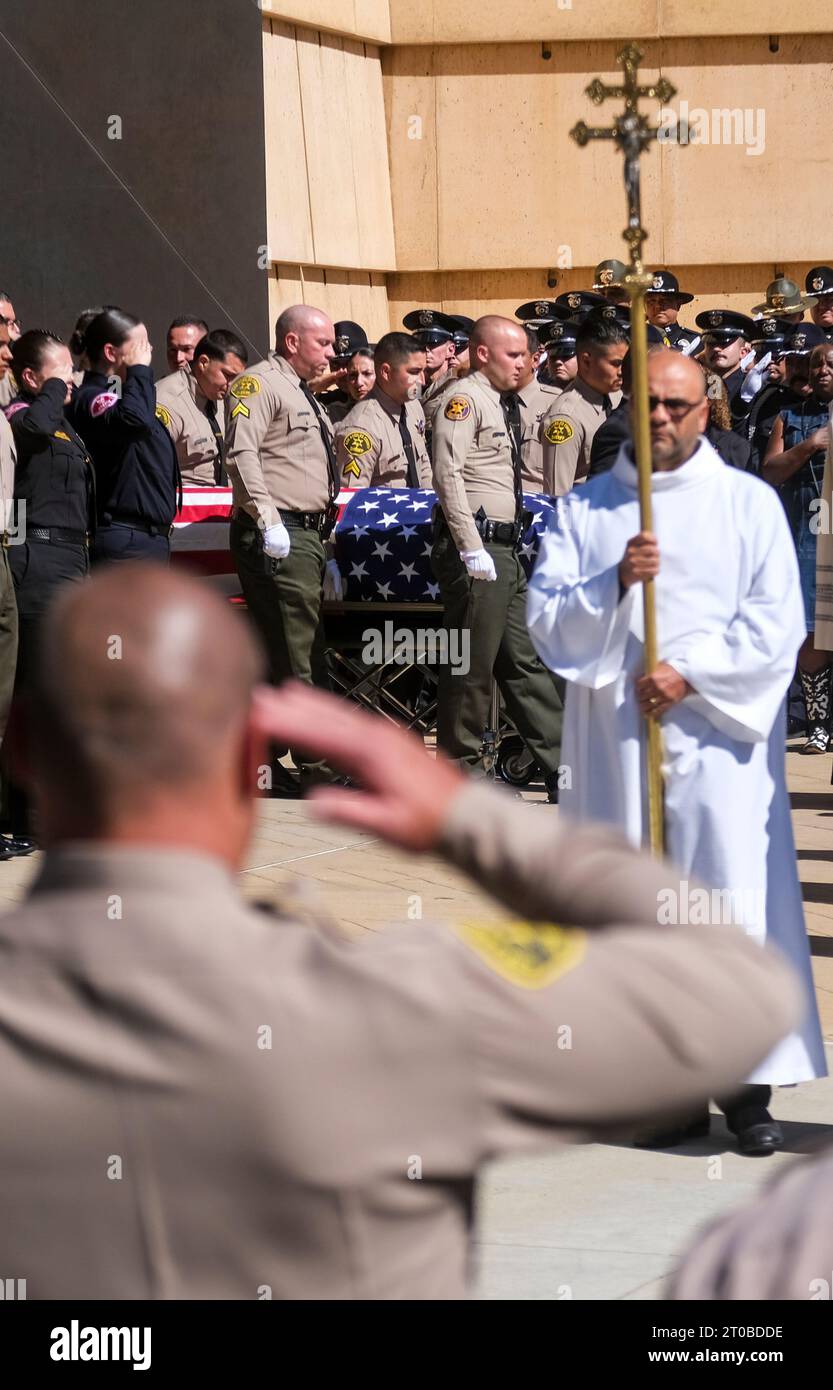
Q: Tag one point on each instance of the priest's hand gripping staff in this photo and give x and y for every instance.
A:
(632, 134)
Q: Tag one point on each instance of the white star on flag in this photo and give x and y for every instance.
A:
(382, 549)
(407, 571)
(388, 519)
(383, 590)
(360, 530)
(419, 506)
(433, 590)
(368, 506)
(359, 571)
(408, 531)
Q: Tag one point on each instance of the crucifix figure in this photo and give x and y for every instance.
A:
(631, 132)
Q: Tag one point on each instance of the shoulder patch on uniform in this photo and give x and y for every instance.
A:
(61, 434)
(163, 414)
(244, 386)
(14, 408)
(105, 400)
(240, 409)
(558, 431)
(529, 954)
(458, 408)
(352, 468)
(358, 442)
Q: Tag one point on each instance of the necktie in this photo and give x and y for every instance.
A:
(335, 483)
(512, 414)
(220, 477)
(408, 445)
(607, 405)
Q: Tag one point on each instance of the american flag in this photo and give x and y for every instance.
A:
(382, 540)
(383, 543)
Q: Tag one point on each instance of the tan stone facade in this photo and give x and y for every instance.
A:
(418, 151)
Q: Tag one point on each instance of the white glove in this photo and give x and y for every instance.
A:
(276, 541)
(333, 585)
(479, 564)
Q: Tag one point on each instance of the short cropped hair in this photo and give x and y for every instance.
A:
(396, 348)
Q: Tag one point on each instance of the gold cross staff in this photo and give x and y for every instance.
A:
(633, 135)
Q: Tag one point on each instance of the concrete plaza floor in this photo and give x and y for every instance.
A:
(596, 1222)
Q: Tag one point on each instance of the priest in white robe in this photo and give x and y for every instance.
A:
(729, 622)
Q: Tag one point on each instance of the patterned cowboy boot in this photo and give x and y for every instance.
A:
(816, 688)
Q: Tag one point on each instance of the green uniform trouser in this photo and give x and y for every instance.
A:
(494, 615)
(284, 600)
(8, 639)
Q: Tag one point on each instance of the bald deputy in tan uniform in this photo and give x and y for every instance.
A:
(282, 466)
(535, 398)
(478, 530)
(381, 441)
(569, 426)
(201, 1100)
(191, 405)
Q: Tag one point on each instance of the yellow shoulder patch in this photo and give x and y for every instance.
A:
(458, 408)
(60, 434)
(244, 386)
(163, 414)
(240, 409)
(351, 468)
(529, 954)
(558, 431)
(357, 442)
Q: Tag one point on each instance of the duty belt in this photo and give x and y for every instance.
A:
(503, 532)
(299, 521)
(55, 533)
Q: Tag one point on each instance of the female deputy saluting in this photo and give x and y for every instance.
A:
(138, 486)
(54, 503)
(54, 482)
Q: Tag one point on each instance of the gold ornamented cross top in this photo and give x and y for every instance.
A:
(631, 132)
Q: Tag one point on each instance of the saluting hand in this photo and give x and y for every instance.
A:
(640, 560)
(405, 794)
(137, 352)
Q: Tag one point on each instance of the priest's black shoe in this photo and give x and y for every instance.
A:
(17, 845)
(760, 1138)
(284, 784)
(551, 784)
(696, 1128)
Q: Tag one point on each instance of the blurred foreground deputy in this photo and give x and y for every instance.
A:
(778, 1247)
(360, 1085)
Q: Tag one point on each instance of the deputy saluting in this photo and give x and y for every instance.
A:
(141, 998)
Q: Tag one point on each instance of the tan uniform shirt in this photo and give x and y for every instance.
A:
(776, 1248)
(472, 456)
(535, 400)
(180, 405)
(370, 449)
(202, 1101)
(566, 433)
(275, 456)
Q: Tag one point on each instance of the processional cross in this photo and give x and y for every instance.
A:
(633, 135)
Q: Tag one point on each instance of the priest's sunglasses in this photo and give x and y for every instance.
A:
(676, 408)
